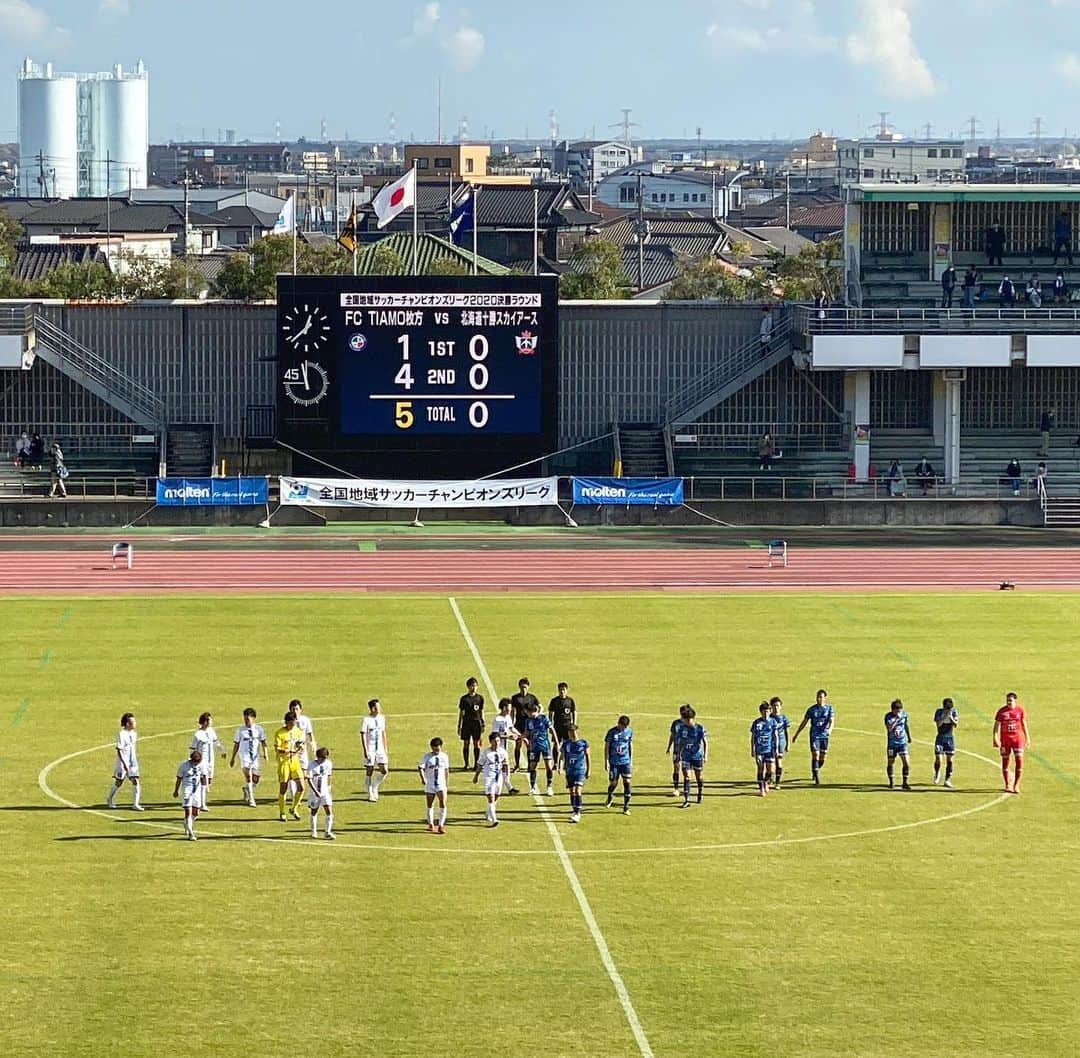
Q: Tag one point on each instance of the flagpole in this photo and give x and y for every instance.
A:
(536, 231)
(475, 214)
(294, 231)
(352, 219)
(415, 219)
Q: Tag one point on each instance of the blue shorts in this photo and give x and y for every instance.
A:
(945, 744)
(781, 746)
(695, 763)
(620, 771)
(819, 744)
(536, 754)
(764, 758)
(898, 749)
(575, 778)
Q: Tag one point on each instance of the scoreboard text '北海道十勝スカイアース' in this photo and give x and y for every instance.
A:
(439, 364)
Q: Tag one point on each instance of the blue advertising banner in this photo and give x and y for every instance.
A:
(211, 492)
(636, 492)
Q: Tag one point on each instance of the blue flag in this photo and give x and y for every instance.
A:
(461, 220)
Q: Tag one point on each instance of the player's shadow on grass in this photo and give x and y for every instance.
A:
(142, 836)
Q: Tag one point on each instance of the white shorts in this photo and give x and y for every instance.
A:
(254, 766)
(429, 789)
(315, 802)
(131, 773)
(493, 786)
(376, 758)
(192, 800)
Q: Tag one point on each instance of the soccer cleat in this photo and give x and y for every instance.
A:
(906, 786)
(948, 784)
(937, 778)
(675, 791)
(699, 798)
(513, 790)
(626, 810)
(550, 792)
(204, 809)
(609, 802)
(331, 836)
(282, 817)
(685, 804)
(138, 808)
(817, 779)
(192, 837)
(493, 823)
(533, 790)
(294, 814)
(314, 833)
(575, 817)
(515, 768)
(440, 829)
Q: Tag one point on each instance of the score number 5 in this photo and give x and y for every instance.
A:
(403, 415)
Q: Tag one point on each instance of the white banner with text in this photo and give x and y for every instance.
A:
(413, 495)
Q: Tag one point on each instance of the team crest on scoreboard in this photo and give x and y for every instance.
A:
(358, 343)
(526, 343)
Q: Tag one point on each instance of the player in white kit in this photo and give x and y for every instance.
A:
(434, 769)
(205, 740)
(494, 763)
(307, 750)
(376, 749)
(249, 744)
(503, 726)
(189, 787)
(317, 774)
(127, 763)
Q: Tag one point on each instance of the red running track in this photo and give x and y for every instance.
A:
(35, 572)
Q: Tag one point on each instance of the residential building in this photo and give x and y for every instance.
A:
(587, 163)
(710, 192)
(460, 161)
(900, 161)
(207, 161)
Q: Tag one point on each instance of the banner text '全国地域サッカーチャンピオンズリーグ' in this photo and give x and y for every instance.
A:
(418, 495)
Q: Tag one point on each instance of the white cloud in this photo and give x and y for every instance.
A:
(884, 39)
(423, 24)
(769, 26)
(464, 47)
(21, 21)
(115, 7)
(1068, 66)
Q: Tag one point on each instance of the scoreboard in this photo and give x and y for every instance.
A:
(420, 374)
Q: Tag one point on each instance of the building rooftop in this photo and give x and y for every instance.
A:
(872, 191)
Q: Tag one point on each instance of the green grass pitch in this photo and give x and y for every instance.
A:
(744, 927)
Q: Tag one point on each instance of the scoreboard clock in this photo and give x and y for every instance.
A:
(420, 375)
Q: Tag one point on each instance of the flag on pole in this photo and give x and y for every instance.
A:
(286, 219)
(395, 198)
(347, 238)
(462, 220)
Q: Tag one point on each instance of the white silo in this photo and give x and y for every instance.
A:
(119, 133)
(48, 133)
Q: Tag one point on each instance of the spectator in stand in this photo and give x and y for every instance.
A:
(821, 303)
(1006, 293)
(1061, 288)
(1034, 291)
(1013, 474)
(971, 281)
(925, 474)
(1063, 237)
(37, 451)
(995, 245)
(57, 471)
(766, 329)
(1038, 483)
(766, 452)
(1047, 422)
(897, 483)
(22, 449)
(948, 285)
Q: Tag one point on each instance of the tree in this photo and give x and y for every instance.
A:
(802, 276)
(329, 260)
(236, 281)
(11, 231)
(87, 281)
(447, 266)
(145, 277)
(707, 278)
(597, 273)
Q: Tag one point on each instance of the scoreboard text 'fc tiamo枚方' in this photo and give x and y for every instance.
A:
(423, 376)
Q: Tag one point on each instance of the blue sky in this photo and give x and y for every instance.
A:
(737, 68)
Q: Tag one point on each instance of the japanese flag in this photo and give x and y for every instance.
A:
(395, 197)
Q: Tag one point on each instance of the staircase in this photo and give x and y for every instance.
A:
(702, 394)
(191, 450)
(1061, 512)
(644, 452)
(82, 365)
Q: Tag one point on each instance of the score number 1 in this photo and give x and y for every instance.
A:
(479, 376)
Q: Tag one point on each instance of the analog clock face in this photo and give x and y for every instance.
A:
(307, 383)
(306, 328)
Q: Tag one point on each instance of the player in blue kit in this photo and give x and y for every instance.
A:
(576, 764)
(619, 761)
(776, 711)
(898, 735)
(947, 720)
(821, 718)
(763, 747)
(693, 753)
(543, 742)
(674, 749)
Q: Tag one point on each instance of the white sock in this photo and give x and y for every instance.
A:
(494, 812)
(431, 816)
(329, 822)
(188, 826)
(137, 794)
(110, 798)
(250, 790)
(314, 824)
(380, 778)
(442, 816)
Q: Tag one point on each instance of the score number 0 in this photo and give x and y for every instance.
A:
(404, 418)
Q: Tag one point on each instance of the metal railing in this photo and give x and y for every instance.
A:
(771, 486)
(916, 320)
(133, 397)
(15, 319)
(746, 356)
(28, 485)
(746, 436)
(107, 438)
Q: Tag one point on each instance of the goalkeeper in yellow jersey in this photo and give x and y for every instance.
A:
(289, 748)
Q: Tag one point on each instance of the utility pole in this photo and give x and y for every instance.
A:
(928, 131)
(973, 127)
(1037, 133)
(642, 233)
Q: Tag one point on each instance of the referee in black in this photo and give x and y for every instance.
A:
(470, 725)
(562, 711)
(520, 704)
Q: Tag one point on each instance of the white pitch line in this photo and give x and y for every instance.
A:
(621, 991)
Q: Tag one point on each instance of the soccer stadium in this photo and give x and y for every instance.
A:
(809, 785)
